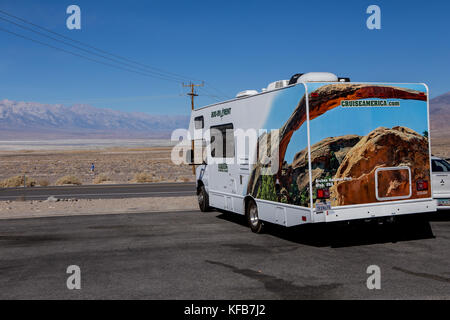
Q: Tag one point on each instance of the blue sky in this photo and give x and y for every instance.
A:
(234, 45)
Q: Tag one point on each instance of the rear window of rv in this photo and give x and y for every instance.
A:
(222, 141)
(199, 122)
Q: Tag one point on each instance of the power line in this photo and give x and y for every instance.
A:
(211, 95)
(85, 57)
(142, 70)
(87, 51)
(94, 48)
(79, 55)
(221, 93)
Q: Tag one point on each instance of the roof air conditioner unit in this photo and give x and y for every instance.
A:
(317, 77)
(277, 84)
(246, 93)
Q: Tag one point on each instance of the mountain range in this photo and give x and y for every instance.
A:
(440, 115)
(29, 120)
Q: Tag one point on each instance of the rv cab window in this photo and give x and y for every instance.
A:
(222, 141)
(199, 122)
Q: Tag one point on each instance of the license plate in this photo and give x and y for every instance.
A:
(320, 206)
(443, 202)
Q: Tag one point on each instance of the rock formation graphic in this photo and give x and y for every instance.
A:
(346, 156)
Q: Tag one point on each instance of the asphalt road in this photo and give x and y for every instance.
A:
(193, 255)
(117, 191)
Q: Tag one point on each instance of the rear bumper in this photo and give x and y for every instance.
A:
(443, 196)
(379, 210)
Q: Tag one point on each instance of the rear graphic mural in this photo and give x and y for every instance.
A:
(369, 143)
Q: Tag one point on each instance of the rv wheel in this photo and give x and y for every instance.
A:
(255, 224)
(203, 199)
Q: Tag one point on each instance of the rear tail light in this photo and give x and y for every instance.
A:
(323, 193)
(422, 185)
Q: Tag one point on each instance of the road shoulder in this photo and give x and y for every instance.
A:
(75, 207)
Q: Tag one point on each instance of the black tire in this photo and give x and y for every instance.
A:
(203, 199)
(255, 224)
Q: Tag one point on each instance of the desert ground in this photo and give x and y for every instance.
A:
(440, 144)
(112, 165)
(75, 207)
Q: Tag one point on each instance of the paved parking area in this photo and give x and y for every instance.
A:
(193, 255)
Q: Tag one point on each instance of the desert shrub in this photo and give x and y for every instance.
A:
(17, 181)
(144, 177)
(101, 178)
(68, 180)
(43, 183)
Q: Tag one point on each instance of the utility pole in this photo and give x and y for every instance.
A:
(193, 95)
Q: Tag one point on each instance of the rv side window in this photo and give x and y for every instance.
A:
(199, 122)
(222, 141)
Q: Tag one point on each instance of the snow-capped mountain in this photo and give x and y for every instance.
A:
(30, 119)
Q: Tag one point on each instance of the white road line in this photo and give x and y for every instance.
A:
(95, 194)
(111, 186)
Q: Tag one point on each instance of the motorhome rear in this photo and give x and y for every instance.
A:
(316, 148)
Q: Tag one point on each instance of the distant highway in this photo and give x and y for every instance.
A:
(116, 191)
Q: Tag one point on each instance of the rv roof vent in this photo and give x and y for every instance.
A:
(246, 93)
(277, 84)
(317, 77)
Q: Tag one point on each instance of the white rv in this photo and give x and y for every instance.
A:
(315, 148)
